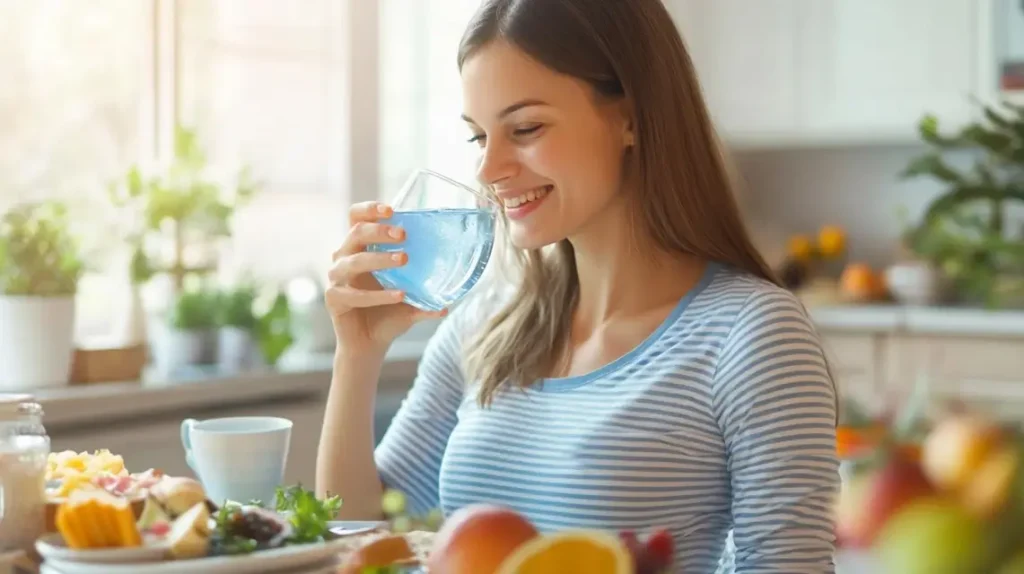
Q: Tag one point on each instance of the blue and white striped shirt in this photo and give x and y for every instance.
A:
(722, 419)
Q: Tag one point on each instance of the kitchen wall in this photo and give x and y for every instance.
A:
(798, 190)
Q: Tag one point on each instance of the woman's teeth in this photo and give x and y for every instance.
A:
(532, 195)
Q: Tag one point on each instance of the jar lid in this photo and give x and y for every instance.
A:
(15, 399)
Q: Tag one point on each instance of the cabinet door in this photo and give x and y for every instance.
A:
(745, 56)
(876, 66)
(854, 360)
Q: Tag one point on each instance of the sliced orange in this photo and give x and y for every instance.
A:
(570, 552)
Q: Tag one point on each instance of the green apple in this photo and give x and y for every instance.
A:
(932, 536)
(1015, 565)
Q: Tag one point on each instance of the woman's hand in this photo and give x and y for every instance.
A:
(366, 316)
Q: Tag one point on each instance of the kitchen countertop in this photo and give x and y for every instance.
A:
(961, 321)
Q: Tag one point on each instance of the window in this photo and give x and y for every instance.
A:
(328, 101)
(74, 111)
(421, 93)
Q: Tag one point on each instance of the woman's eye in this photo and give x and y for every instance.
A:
(476, 138)
(527, 130)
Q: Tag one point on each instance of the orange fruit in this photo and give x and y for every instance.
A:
(831, 241)
(477, 538)
(858, 282)
(801, 248)
(570, 552)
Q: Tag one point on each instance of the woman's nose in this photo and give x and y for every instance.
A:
(496, 163)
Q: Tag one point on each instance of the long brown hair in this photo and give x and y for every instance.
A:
(684, 198)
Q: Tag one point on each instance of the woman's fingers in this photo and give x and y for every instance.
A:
(368, 233)
(349, 267)
(343, 298)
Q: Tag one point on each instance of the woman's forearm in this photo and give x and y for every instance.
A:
(345, 461)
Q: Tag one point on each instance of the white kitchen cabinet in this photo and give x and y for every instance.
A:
(745, 54)
(855, 360)
(876, 66)
(790, 73)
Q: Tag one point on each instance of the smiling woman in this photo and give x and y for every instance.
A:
(642, 368)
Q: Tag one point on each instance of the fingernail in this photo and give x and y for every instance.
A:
(382, 209)
(397, 257)
(396, 232)
(399, 295)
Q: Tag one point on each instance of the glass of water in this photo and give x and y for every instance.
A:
(449, 235)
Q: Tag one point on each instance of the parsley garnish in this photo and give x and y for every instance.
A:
(308, 514)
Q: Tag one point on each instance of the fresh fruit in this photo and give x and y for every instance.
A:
(932, 536)
(477, 539)
(878, 496)
(988, 489)
(831, 241)
(378, 553)
(859, 283)
(97, 519)
(1015, 565)
(652, 555)
(851, 511)
(800, 248)
(177, 494)
(570, 552)
(956, 448)
(190, 533)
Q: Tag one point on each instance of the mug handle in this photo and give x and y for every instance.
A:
(186, 442)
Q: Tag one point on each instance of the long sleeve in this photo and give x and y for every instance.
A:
(775, 402)
(410, 453)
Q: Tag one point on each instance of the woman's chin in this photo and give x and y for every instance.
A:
(525, 238)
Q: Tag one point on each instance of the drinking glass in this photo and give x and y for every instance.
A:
(449, 235)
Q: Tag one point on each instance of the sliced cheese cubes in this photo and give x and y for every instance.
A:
(97, 519)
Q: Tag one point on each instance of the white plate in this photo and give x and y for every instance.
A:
(52, 547)
(290, 558)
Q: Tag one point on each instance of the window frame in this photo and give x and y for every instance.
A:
(354, 85)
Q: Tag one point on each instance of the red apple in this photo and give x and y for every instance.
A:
(868, 501)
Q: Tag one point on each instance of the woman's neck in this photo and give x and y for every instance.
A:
(620, 279)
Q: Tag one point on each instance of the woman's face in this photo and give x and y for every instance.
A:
(550, 149)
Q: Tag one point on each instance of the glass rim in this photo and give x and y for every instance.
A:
(407, 187)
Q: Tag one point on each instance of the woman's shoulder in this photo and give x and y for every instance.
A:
(747, 304)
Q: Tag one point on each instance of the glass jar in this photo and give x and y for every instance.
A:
(24, 450)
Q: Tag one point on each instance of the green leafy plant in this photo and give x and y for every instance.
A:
(194, 310)
(184, 206)
(39, 256)
(274, 326)
(308, 514)
(236, 308)
(965, 231)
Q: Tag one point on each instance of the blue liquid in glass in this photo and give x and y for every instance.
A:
(448, 250)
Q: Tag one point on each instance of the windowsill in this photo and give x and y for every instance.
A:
(298, 377)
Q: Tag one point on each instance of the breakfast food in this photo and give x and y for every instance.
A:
(189, 536)
(97, 519)
(570, 552)
(381, 551)
(69, 471)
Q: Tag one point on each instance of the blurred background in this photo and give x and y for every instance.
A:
(180, 170)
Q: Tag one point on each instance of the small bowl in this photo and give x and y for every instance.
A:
(52, 547)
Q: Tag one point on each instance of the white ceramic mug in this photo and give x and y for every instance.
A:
(238, 458)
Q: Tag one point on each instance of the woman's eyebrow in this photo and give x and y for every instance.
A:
(513, 108)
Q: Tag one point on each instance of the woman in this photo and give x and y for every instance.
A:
(645, 368)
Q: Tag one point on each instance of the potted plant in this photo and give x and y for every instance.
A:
(274, 325)
(237, 345)
(182, 211)
(188, 334)
(966, 231)
(40, 267)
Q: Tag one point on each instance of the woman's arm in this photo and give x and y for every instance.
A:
(410, 453)
(776, 404)
(344, 462)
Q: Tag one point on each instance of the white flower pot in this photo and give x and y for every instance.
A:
(173, 349)
(37, 341)
(915, 283)
(236, 349)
